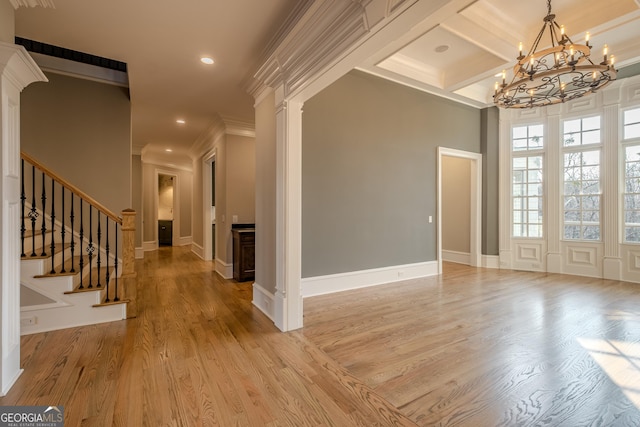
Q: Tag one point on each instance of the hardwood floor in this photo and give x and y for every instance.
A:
(479, 347)
(474, 347)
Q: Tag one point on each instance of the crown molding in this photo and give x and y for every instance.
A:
(325, 32)
(18, 67)
(32, 3)
(219, 127)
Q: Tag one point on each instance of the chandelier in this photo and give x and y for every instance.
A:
(559, 73)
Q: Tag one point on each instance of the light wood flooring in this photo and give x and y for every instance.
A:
(474, 347)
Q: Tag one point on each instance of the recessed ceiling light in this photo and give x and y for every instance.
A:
(168, 150)
(442, 48)
(206, 60)
(180, 121)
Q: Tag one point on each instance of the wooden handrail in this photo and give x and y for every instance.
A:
(78, 192)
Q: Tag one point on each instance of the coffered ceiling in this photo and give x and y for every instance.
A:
(454, 52)
(460, 56)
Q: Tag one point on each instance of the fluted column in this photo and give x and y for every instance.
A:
(288, 296)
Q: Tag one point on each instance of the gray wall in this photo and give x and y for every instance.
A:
(81, 130)
(369, 172)
(136, 195)
(490, 127)
(266, 193)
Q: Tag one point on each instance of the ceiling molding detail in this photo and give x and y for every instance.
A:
(325, 32)
(18, 67)
(32, 3)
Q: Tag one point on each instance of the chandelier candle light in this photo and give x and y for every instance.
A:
(559, 73)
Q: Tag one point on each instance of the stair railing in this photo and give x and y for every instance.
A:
(82, 243)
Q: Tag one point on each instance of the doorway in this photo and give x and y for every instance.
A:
(166, 200)
(209, 205)
(459, 207)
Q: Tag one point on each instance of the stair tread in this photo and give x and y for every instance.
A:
(107, 304)
(59, 248)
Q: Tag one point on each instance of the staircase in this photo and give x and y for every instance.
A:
(77, 260)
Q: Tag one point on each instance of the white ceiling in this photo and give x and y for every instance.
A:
(483, 37)
(161, 41)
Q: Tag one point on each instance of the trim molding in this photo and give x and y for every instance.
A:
(139, 253)
(491, 261)
(198, 250)
(224, 269)
(150, 246)
(263, 300)
(184, 241)
(457, 257)
(321, 285)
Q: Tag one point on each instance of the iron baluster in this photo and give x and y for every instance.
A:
(23, 199)
(115, 266)
(33, 213)
(44, 223)
(90, 247)
(106, 274)
(73, 242)
(53, 217)
(81, 239)
(62, 231)
(98, 261)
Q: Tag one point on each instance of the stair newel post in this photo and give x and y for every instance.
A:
(62, 231)
(23, 201)
(72, 247)
(33, 213)
(81, 239)
(107, 274)
(43, 228)
(99, 246)
(129, 275)
(53, 218)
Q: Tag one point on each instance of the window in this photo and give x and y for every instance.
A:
(631, 126)
(527, 188)
(582, 193)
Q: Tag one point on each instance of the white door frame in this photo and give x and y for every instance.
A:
(208, 159)
(475, 255)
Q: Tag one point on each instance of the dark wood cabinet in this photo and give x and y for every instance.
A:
(244, 254)
(165, 232)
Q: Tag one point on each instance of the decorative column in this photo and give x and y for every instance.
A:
(553, 200)
(504, 190)
(288, 296)
(129, 276)
(611, 206)
(17, 70)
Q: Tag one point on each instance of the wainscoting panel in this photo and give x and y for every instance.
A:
(583, 259)
(529, 255)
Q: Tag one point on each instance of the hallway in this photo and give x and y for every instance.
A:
(474, 347)
(199, 353)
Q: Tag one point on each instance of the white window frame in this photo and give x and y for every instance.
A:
(626, 143)
(581, 148)
(527, 154)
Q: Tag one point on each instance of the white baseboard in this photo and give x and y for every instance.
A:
(312, 286)
(184, 241)
(150, 246)
(457, 257)
(198, 250)
(140, 253)
(263, 300)
(490, 261)
(224, 269)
